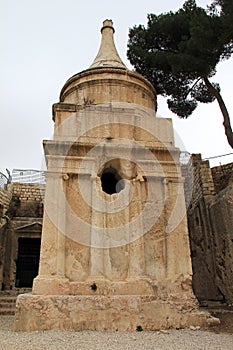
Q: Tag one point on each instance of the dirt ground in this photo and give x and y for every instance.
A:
(214, 338)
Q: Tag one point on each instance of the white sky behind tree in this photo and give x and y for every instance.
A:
(43, 43)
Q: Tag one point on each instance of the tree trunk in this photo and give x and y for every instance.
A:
(226, 118)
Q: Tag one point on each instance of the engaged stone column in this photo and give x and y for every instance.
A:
(51, 278)
(136, 235)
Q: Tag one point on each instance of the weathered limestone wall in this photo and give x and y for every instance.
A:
(27, 200)
(210, 214)
(27, 192)
(222, 176)
(221, 217)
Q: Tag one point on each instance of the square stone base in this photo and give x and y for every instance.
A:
(104, 313)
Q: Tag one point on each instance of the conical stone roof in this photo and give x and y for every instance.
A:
(108, 80)
(107, 55)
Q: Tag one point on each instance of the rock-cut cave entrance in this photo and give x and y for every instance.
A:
(28, 261)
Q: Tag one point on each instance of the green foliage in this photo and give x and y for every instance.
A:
(224, 10)
(201, 93)
(179, 49)
(182, 107)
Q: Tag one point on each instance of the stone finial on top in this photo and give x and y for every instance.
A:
(107, 55)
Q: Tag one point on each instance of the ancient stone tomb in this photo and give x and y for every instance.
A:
(115, 249)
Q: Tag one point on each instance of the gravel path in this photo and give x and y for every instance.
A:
(56, 340)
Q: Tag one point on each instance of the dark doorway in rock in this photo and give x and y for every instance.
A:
(27, 262)
(111, 181)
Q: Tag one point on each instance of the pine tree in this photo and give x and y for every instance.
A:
(179, 51)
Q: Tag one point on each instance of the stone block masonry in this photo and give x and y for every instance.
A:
(5, 198)
(28, 192)
(222, 176)
(27, 200)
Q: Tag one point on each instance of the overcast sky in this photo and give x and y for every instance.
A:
(45, 42)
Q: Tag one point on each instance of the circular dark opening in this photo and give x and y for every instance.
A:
(111, 181)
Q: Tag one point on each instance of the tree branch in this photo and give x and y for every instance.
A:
(193, 86)
(226, 118)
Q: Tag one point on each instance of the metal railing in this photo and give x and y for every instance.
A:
(184, 157)
(3, 180)
(28, 176)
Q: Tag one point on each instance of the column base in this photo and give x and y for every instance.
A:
(93, 286)
(50, 285)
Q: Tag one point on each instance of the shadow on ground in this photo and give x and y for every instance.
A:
(226, 319)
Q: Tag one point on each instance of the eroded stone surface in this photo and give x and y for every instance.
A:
(112, 313)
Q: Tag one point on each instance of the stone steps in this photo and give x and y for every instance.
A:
(8, 301)
(7, 305)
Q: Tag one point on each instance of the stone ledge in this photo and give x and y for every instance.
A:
(103, 313)
(51, 286)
